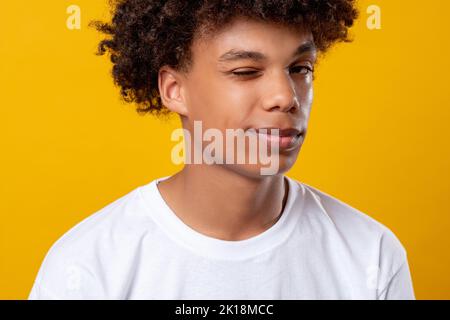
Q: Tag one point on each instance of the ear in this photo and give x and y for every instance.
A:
(171, 90)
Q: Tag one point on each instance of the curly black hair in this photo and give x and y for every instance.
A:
(145, 35)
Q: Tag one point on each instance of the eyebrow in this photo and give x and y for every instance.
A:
(233, 54)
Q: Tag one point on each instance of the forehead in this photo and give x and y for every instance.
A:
(273, 40)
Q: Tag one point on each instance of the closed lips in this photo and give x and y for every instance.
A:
(286, 139)
(289, 132)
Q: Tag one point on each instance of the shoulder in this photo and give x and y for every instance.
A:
(76, 264)
(120, 218)
(358, 231)
(370, 252)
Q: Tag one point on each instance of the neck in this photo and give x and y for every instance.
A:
(224, 204)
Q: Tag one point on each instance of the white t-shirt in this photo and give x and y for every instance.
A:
(137, 248)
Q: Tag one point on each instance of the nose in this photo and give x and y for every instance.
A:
(281, 95)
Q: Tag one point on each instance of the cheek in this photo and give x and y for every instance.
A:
(306, 95)
(217, 103)
(204, 98)
(230, 103)
(241, 103)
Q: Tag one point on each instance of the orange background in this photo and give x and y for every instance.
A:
(377, 139)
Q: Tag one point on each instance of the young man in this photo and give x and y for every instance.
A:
(225, 230)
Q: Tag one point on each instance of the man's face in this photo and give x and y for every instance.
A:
(274, 91)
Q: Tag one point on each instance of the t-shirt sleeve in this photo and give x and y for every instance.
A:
(395, 280)
(41, 293)
(400, 286)
(66, 274)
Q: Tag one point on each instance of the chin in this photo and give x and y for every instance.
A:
(259, 171)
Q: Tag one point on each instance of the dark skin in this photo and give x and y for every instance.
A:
(234, 201)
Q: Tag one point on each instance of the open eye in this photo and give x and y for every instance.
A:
(302, 69)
